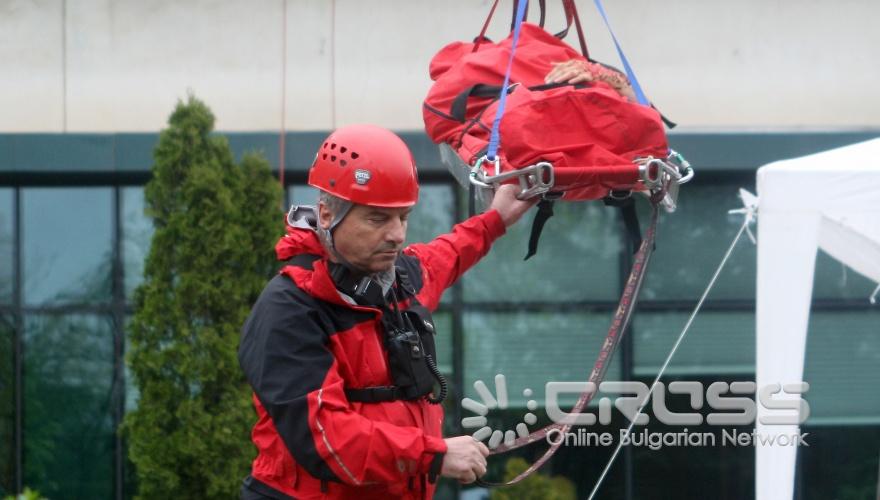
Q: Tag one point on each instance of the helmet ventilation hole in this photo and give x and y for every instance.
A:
(333, 146)
(333, 158)
(354, 156)
(324, 157)
(332, 182)
(343, 149)
(325, 145)
(342, 163)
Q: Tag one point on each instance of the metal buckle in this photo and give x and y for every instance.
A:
(534, 180)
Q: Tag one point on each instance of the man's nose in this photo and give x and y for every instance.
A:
(397, 231)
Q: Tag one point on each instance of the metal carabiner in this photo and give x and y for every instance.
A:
(477, 176)
(684, 167)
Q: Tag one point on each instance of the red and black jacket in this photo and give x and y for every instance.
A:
(304, 345)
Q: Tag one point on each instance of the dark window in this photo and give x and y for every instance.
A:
(7, 406)
(443, 341)
(68, 247)
(834, 280)
(578, 259)
(302, 195)
(531, 348)
(719, 342)
(841, 365)
(68, 399)
(691, 243)
(7, 244)
(433, 215)
(137, 232)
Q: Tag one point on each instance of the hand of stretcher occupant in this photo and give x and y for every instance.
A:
(578, 71)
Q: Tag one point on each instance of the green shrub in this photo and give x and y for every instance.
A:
(27, 494)
(535, 487)
(215, 226)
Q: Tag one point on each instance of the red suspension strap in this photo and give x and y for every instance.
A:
(571, 16)
(482, 35)
(615, 332)
(572, 8)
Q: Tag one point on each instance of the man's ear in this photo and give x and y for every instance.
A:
(325, 216)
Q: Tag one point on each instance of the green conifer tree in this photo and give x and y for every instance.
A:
(215, 226)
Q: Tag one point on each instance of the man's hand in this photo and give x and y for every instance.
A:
(577, 71)
(573, 71)
(465, 459)
(508, 206)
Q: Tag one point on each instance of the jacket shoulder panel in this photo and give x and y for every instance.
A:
(413, 268)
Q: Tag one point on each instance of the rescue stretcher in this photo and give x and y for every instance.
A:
(647, 175)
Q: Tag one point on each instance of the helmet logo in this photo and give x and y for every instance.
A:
(361, 176)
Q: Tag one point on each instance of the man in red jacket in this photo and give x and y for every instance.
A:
(339, 347)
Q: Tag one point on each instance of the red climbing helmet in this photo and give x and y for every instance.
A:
(367, 165)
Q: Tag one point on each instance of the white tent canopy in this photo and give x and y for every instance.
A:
(829, 200)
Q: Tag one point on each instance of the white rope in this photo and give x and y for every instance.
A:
(749, 213)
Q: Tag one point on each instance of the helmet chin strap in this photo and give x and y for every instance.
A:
(337, 219)
(326, 236)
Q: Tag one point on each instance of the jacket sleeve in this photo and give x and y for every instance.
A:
(285, 357)
(448, 256)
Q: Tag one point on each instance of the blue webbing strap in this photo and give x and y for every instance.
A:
(640, 96)
(495, 138)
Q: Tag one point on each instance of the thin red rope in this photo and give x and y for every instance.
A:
(282, 133)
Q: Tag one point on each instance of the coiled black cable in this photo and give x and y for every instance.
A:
(440, 380)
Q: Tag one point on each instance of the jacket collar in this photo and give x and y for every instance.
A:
(302, 238)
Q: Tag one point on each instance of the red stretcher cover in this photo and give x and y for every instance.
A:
(589, 132)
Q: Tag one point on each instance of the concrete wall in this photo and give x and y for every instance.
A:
(105, 66)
